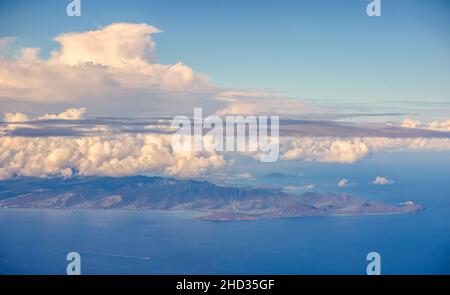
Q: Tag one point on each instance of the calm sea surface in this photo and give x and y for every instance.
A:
(154, 242)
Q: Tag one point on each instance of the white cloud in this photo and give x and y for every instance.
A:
(325, 149)
(435, 125)
(29, 55)
(118, 45)
(407, 203)
(16, 117)
(114, 155)
(102, 153)
(380, 180)
(70, 114)
(111, 69)
(410, 123)
(107, 151)
(440, 126)
(343, 182)
(351, 150)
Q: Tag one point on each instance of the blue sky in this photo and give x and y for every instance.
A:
(318, 50)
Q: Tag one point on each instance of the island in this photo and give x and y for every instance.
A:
(216, 203)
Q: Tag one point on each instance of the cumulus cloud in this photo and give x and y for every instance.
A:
(325, 149)
(118, 45)
(16, 117)
(410, 123)
(351, 150)
(111, 69)
(380, 180)
(435, 125)
(100, 152)
(115, 155)
(108, 153)
(29, 55)
(95, 149)
(69, 114)
(343, 182)
(440, 126)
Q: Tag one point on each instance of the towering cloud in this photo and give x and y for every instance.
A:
(113, 70)
(110, 70)
(118, 45)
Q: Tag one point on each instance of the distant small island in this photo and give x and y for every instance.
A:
(219, 203)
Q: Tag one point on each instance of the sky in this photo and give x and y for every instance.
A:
(95, 94)
(321, 51)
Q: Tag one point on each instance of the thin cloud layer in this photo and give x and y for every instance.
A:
(247, 102)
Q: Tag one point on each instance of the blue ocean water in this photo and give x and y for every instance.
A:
(125, 242)
(154, 242)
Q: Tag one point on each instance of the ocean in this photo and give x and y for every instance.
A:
(153, 242)
(159, 242)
